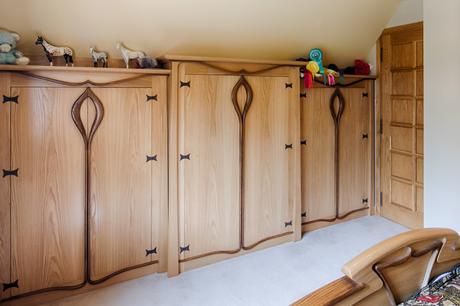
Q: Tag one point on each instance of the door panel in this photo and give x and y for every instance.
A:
(209, 186)
(402, 110)
(318, 163)
(402, 118)
(47, 197)
(318, 173)
(400, 138)
(121, 182)
(354, 152)
(5, 163)
(267, 175)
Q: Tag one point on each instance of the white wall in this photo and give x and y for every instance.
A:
(270, 29)
(409, 11)
(442, 113)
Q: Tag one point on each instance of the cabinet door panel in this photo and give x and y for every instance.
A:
(5, 260)
(121, 182)
(268, 182)
(47, 197)
(354, 152)
(209, 180)
(318, 173)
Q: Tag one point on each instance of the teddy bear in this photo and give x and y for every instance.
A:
(8, 53)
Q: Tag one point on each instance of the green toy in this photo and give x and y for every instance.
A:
(8, 53)
(317, 56)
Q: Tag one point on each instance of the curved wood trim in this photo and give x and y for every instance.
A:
(240, 72)
(229, 252)
(338, 85)
(76, 116)
(200, 59)
(84, 69)
(45, 290)
(242, 82)
(340, 217)
(336, 117)
(331, 293)
(107, 277)
(83, 83)
(87, 139)
(409, 252)
(246, 248)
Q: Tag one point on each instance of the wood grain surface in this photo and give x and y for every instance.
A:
(47, 198)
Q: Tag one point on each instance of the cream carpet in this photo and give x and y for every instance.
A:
(276, 276)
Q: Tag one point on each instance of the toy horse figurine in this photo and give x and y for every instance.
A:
(52, 51)
(129, 54)
(98, 56)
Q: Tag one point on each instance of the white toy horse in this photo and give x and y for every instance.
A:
(98, 56)
(129, 54)
(53, 51)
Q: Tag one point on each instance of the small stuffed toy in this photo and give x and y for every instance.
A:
(147, 62)
(362, 68)
(317, 55)
(8, 53)
(330, 75)
(312, 69)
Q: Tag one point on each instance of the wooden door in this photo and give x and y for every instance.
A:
(208, 181)
(5, 163)
(318, 147)
(355, 152)
(48, 193)
(402, 122)
(335, 189)
(271, 142)
(234, 160)
(128, 175)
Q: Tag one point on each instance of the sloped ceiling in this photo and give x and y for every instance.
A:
(265, 29)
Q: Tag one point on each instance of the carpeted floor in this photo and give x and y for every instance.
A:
(276, 276)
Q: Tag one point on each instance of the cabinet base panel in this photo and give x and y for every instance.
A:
(56, 295)
(204, 261)
(320, 224)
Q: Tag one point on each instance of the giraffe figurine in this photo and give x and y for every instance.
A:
(53, 51)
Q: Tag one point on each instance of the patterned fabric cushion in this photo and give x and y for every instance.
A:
(442, 291)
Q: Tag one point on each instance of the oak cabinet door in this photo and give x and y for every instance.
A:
(48, 195)
(5, 187)
(238, 158)
(127, 180)
(318, 171)
(354, 152)
(268, 148)
(209, 189)
(335, 188)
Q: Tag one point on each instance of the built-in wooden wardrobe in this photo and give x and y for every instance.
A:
(234, 158)
(337, 151)
(110, 174)
(84, 189)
